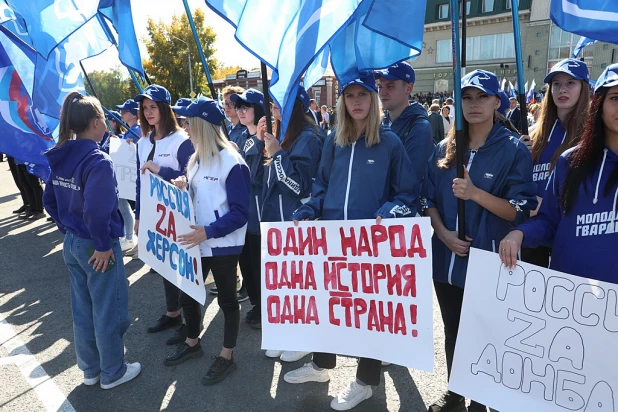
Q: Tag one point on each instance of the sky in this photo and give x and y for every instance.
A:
(228, 51)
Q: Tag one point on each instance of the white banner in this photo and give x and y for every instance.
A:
(351, 288)
(125, 166)
(533, 339)
(166, 212)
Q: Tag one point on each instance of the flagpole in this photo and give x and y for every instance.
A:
(269, 123)
(521, 94)
(459, 136)
(464, 45)
(139, 86)
(200, 51)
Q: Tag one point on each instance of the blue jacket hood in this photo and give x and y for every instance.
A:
(252, 150)
(501, 167)
(64, 159)
(584, 240)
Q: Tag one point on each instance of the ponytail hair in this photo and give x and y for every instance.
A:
(76, 114)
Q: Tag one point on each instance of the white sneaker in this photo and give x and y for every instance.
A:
(273, 353)
(307, 373)
(293, 356)
(351, 396)
(92, 381)
(133, 369)
(126, 244)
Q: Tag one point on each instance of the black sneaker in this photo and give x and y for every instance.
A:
(242, 295)
(449, 402)
(256, 322)
(25, 214)
(183, 353)
(476, 407)
(219, 370)
(36, 216)
(213, 291)
(21, 209)
(165, 322)
(250, 315)
(179, 336)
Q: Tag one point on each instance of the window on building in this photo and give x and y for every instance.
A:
(444, 51)
(488, 6)
(508, 4)
(443, 11)
(490, 47)
(317, 94)
(561, 46)
(468, 7)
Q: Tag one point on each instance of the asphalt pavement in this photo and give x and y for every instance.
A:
(38, 368)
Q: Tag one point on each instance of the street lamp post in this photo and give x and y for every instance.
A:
(190, 70)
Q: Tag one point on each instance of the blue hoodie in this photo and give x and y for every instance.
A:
(252, 150)
(360, 182)
(235, 131)
(289, 176)
(541, 168)
(80, 194)
(416, 139)
(501, 167)
(136, 129)
(585, 240)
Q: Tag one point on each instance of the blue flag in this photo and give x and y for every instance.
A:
(119, 14)
(596, 19)
(583, 42)
(530, 95)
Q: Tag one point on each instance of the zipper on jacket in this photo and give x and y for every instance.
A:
(347, 189)
(450, 266)
(281, 208)
(257, 206)
(493, 245)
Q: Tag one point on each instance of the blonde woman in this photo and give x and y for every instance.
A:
(380, 187)
(219, 182)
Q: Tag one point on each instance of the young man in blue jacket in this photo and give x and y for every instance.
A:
(408, 121)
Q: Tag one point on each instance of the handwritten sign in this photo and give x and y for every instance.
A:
(349, 287)
(165, 213)
(533, 339)
(125, 165)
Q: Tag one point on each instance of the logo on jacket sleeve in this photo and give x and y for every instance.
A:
(370, 161)
(283, 177)
(489, 176)
(248, 145)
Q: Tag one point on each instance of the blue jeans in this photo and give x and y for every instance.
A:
(100, 305)
(127, 216)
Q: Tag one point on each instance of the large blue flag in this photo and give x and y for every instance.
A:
(596, 19)
(354, 35)
(583, 42)
(119, 13)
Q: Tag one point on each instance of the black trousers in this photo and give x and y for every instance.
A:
(33, 190)
(224, 272)
(172, 296)
(13, 168)
(250, 260)
(538, 256)
(368, 371)
(450, 299)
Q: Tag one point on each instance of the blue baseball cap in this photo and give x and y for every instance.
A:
(609, 78)
(183, 101)
(155, 93)
(399, 71)
(303, 96)
(204, 108)
(482, 80)
(130, 105)
(250, 96)
(109, 116)
(368, 81)
(573, 67)
(505, 103)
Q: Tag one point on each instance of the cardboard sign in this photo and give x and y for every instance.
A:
(351, 288)
(125, 166)
(533, 339)
(165, 213)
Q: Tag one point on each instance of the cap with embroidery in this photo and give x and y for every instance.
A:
(573, 67)
(303, 96)
(368, 81)
(482, 80)
(204, 108)
(155, 93)
(183, 101)
(399, 71)
(609, 78)
(250, 96)
(129, 105)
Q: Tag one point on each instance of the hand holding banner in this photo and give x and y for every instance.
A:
(167, 212)
(349, 287)
(125, 166)
(533, 339)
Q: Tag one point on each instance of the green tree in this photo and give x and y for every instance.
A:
(112, 87)
(167, 48)
(223, 71)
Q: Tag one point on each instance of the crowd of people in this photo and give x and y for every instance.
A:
(521, 193)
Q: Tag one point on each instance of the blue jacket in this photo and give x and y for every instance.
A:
(104, 143)
(234, 132)
(585, 240)
(80, 194)
(289, 177)
(501, 167)
(414, 130)
(136, 129)
(379, 184)
(252, 150)
(541, 168)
